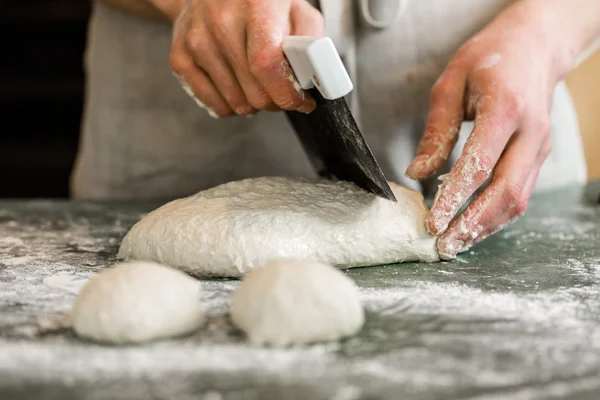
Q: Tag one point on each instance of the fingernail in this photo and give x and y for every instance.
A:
(436, 226)
(449, 248)
(244, 110)
(414, 170)
(308, 106)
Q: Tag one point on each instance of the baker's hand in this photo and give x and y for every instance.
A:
(503, 79)
(228, 53)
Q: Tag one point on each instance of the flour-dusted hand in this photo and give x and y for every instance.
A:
(503, 79)
(228, 53)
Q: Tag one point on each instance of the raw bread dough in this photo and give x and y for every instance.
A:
(230, 229)
(137, 302)
(290, 302)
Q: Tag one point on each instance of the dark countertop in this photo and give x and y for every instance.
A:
(516, 317)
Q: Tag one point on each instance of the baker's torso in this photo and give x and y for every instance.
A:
(142, 136)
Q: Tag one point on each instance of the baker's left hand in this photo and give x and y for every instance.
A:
(503, 79)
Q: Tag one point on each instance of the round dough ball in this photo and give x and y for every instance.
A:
(289, 302)
(137, 302)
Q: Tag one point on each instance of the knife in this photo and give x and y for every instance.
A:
(330, 135)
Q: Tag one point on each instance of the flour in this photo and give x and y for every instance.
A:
(66, 282)
(489, 61)
(495, 323)
(188, 90)
(10, 242)
(461, 300)
(297, 87)
(229, 230)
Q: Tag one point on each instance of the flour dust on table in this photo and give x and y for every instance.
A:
(231, 229)
(137, 302)
(291, 302)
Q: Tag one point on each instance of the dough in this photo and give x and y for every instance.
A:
(296, 302)
(231, 229)
(137, 302)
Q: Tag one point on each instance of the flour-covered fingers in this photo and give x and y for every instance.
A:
(498, 117)
(203, 47)
(442, 127)
(511, 216)
(505, 198)
(196, 82)
(227, 26)
(236, 44)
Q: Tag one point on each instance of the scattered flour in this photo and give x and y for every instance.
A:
(513, 326)
(489, 61)
(188, 90)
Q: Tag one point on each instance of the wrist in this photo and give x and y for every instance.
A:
(568, 27)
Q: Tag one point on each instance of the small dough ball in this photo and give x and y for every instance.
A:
(290, 302)
(137, 302)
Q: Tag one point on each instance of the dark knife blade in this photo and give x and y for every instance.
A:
(336, 147)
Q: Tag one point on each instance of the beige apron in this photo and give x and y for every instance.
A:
(143, 137)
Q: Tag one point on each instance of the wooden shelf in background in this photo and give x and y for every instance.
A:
(584, 85)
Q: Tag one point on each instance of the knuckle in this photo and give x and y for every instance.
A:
(484, 164)
(512, 196)
(194, 41)
(259, 100)
(289, 103)
(515, 106)
(543, 126)
(222, 16)
(262, 62)
(520, 207)
(220, 20)
(431, 134)
(178, 62)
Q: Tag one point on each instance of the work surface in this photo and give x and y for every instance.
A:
(516, 317)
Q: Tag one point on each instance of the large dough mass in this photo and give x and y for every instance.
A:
(233, 228)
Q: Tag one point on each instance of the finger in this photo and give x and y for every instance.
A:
(202, 47)
(196, 83)
(496, 121)
(265, 33)
(505, 199)
(442, 126)
(509, 216)
(305, 20)
(230, 34)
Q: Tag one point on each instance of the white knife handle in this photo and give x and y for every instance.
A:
(316, 63)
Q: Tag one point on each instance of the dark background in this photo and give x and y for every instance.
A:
(41, 94)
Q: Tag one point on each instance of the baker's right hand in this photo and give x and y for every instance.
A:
(228, 54)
